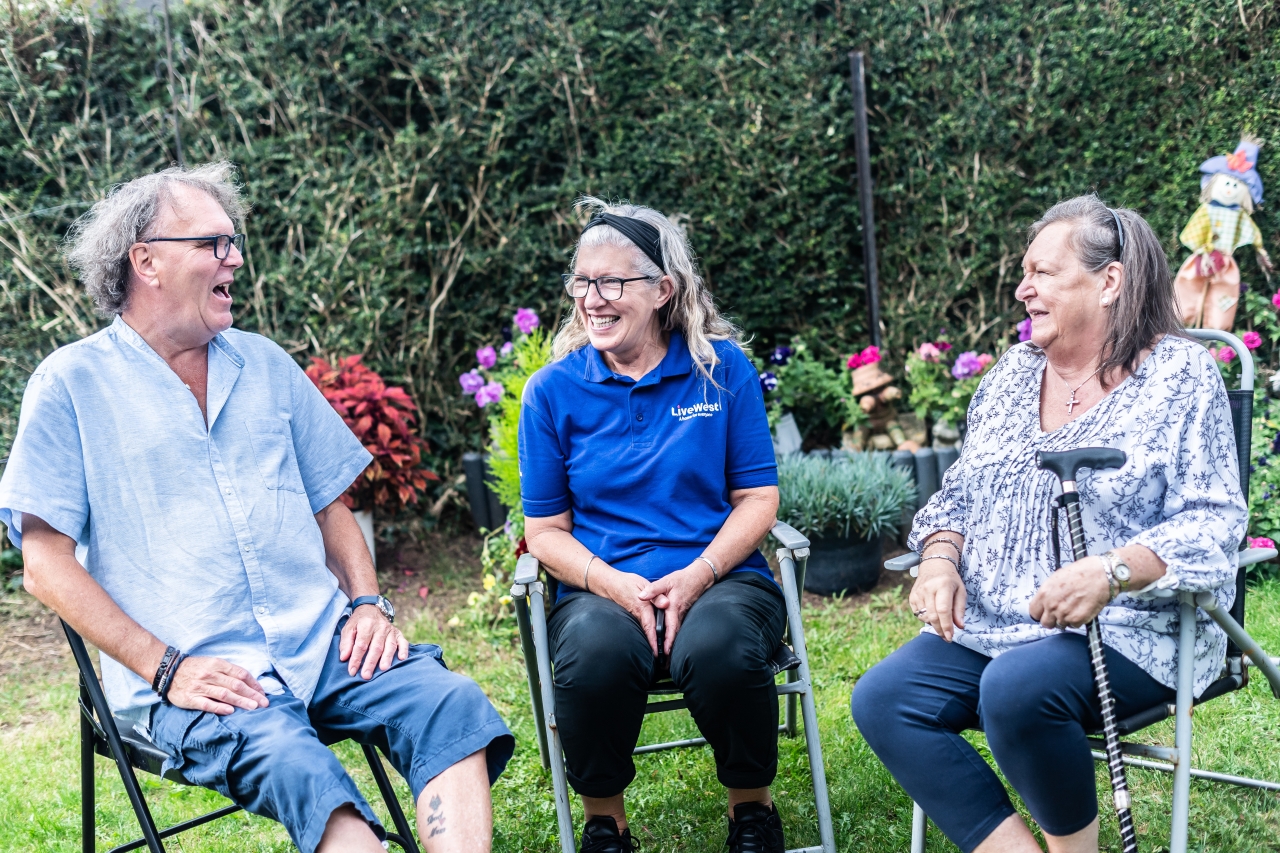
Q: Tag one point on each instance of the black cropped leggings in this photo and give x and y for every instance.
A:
(720, 661)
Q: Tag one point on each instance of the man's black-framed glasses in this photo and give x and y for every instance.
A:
(609, 287)
(221, 243)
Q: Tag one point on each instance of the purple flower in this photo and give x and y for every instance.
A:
(1252, 340)
(487, 357)
(967, 365)
(1024, 330)
(471, 382)
(768, 381)
(507, 348)
(527, 320)
(781, 355)
(490, 393)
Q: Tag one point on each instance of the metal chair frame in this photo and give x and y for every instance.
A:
(100, 734)
(1242, 650)
(530, 597)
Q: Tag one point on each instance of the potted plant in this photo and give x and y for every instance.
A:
(843, 504)
(383, 419)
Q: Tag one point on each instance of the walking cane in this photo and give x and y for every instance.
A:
(1065, 464)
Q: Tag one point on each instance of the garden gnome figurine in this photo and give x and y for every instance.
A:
(1208, 284)
(876, 393)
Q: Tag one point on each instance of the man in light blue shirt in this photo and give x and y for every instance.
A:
(174, 488)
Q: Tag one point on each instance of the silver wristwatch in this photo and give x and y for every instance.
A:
(1118, 573)
(379, 602)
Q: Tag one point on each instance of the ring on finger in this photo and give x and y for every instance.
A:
(919, 614)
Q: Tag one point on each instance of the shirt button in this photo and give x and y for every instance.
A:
(639, 417)
(262, 611)
(226, 491)
(248, 548)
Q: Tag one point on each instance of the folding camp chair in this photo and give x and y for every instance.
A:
(530, 596)
(1242, 651)
(103, 734)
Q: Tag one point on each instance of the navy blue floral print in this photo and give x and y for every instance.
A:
(1178, 494)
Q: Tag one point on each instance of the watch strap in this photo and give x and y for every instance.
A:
(375, 600)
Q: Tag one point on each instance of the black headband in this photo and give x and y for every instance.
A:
(644, 235)
(1119, 227)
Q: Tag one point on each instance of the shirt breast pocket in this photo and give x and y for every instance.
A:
(273, 451)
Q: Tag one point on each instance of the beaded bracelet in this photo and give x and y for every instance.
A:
(941, 557)
(945, 539)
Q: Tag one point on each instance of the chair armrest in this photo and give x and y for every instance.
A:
(527, 568)
(789, 537)
(903, 562)
(1252, 556)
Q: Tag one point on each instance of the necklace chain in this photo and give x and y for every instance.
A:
(1073, 402)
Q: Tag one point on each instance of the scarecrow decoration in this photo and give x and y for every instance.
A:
(1208, 284)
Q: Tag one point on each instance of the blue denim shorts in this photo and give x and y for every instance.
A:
(274, 761)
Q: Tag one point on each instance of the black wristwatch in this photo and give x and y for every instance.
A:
(379, 602)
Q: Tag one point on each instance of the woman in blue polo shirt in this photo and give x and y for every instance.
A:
(648, 483)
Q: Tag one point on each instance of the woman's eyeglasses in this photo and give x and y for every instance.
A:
(609, 287)
(221, 243)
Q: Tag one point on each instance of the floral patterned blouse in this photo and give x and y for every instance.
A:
(1178, 494)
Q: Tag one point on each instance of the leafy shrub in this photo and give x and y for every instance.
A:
(818, 395)
(412, 166)
(856, 495)
(382, 419)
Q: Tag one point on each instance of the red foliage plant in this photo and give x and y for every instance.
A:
(382, 418)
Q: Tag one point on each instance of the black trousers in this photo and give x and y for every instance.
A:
(720, 661)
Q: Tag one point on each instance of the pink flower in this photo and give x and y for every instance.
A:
(942, 346)
(487, 357)
(1226, 355)
(507, 348)
(1260, 542)
(1024, 330)
(490, 393)
(527, 320)
(1275, 300)
(928, 352)
(985, 359)
(854, 362)
(870, 355)
(1252, 340)
(471, 382)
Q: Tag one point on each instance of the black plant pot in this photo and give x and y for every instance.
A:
(842, 565)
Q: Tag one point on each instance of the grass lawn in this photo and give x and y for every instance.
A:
(674, 804)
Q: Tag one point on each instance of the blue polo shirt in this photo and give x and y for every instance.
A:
(646, 466)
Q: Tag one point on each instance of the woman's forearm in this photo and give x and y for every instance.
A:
(753, 514)
(551, 540)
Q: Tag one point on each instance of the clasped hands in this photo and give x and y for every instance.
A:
(1069, 598)
(369, 642)
(674, 593)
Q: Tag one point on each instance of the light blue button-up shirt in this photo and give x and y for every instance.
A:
(204, 536)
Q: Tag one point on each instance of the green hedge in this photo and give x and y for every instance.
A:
(409, 157)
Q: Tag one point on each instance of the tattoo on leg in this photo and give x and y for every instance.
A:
(436, 817)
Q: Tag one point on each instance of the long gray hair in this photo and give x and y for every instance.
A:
(1145, 308)
(691, 310)
(98, 244)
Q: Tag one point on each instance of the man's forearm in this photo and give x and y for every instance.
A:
(345, 551)
(52, 574)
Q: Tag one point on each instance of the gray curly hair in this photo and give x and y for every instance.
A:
(691, 310)
(97, 246)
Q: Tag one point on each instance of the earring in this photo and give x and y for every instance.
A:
(1105, 302)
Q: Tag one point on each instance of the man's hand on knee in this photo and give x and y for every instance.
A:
(370, 642)
(213, 684)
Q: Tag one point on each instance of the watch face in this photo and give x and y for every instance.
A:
(1121, 572)
(387, 609)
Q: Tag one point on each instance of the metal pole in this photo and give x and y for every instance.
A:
(857, 80)
(173, 99)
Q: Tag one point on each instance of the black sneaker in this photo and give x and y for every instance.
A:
(755, 828)
(600, 835)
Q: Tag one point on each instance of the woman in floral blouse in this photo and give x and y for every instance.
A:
(1002, 647)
